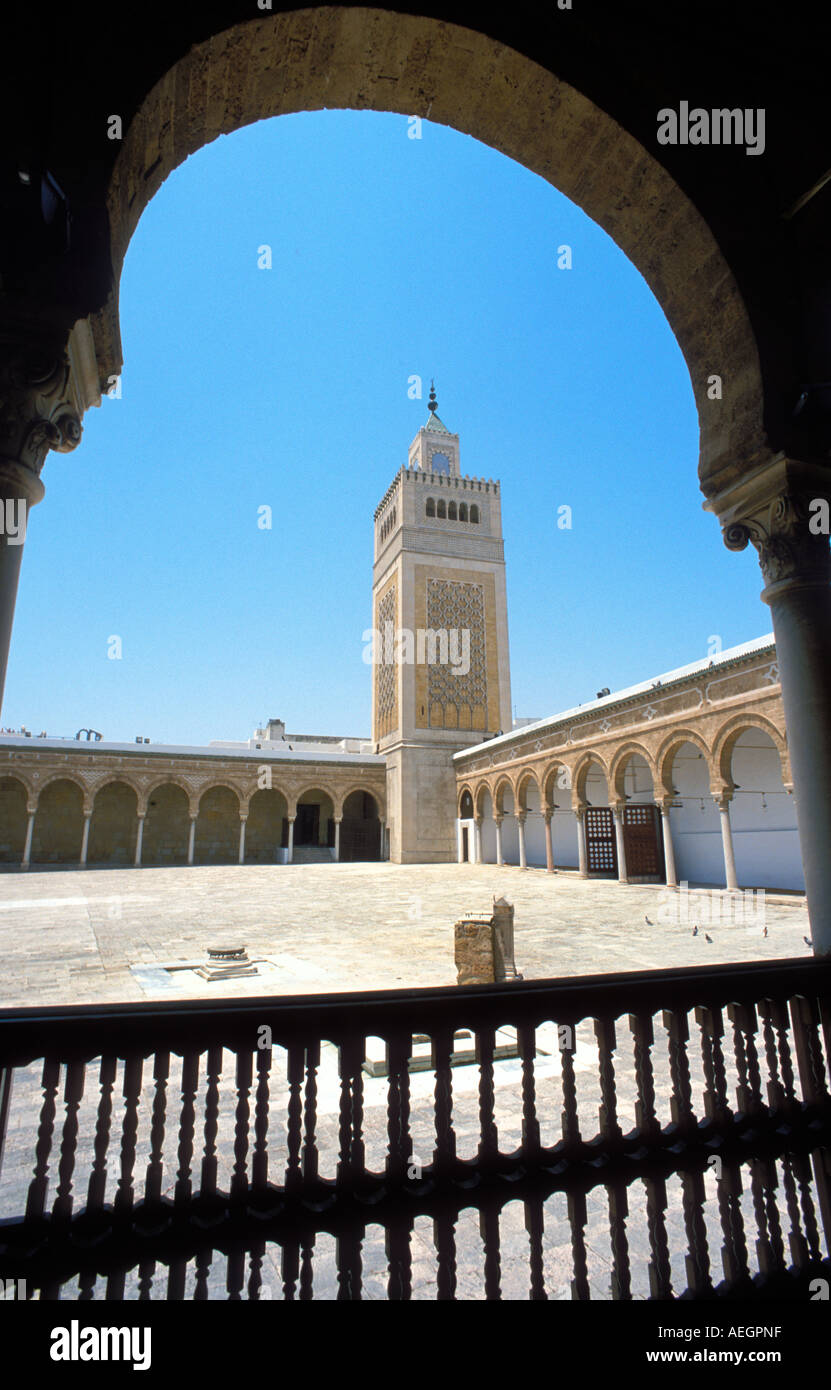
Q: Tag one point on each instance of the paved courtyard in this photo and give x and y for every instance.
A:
(68, 936)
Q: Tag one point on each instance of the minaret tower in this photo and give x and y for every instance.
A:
(441, 677)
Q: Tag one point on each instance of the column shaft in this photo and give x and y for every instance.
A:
(617, 812)
(669, 852)
(499, 856)
(85, 841)
(27, 848)
(242, 824)
(139, 840)
(549, 847)
(477, 840)
(582, 857)
(337, 839)
(523, 863)
(192, 839)
(291, 840)
(727, 844)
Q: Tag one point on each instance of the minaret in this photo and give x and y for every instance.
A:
(441, 677)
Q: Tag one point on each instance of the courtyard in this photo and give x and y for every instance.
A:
(106, 935)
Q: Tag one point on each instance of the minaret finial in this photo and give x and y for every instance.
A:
(432, 402)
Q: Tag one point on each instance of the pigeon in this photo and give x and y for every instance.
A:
(764, 931)
(708, 938)
(648, 923)
(807, 942)
(695, 930)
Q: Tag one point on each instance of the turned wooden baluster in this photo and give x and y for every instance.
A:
(697, 1259)
(734, 1245)
(307, 1247)
(489, 1231)
(444, 1239)
(190, 1081)
(97, 1187)
(677, 1027)
(531, 1147)
(399, 1258)
(207, 1185)
(146, 1272)
(604, 1032)
(202, 1272)
(348, 1260)
(444, 1154)
(812, 1074)
(570, 1123)
(155, 1167)
(749, 1089)
(711, 1027)
(290, 1267)
(235, 1272)
(775, 1089)
(769, 1248)
(245, 1072)
(779, 1014)
(660, 1268)
(310, 1154)
(131, 1091)
(535, 1226)
(399, 1143)
(73, 1093)
(488, 1137)
(255, 1276)
(36, 1194)
(351, 1162)
(796, 1240)
(646, 1121)
(621, 1282)
(577, 1220)
(259, 1160)
(295, 1066)
(802, 1170)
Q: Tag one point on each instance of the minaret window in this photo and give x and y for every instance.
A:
(463, 511)
(451, 511)
(431, 507)
(441, 509)
(474, 514)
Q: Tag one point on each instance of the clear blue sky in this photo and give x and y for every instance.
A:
(288, 387)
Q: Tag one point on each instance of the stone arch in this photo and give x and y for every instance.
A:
(166, 823)
(114, 825)
(14, 817)
(503, 784)
(619, 762)
(360, 831)
(355, 57)
(463, 811)
(380, 801)
(550, 779)
(217, 824)
(527, 778)
(59, 821)
(314, 830)
(665, 756)
(581, 774)
(84, 787)
(731, 730)
(266, 809)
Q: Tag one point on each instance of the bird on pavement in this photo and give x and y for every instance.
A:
(695, 930)
(764, 931)
(648, 923)
(708, 938)
(807, 942)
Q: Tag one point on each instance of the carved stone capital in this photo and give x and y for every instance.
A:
(38, 410)
(778, 509)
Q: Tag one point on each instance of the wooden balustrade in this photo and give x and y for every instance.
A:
(165, 1150)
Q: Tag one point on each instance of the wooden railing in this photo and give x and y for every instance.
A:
(664, 1135)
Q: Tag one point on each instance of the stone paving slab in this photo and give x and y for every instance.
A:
(100, 935)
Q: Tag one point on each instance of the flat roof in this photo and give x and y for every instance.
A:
(169, 750)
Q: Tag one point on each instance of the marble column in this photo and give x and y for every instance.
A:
(669, 851)
(85, 840)
(782, 508)
(523, 862)
(382, 847)
(477, 840)
(192, 839)
(291, 840)
(582, 857)
(497, 820)
(549, 845)
(27, 848)
(139, 838)
(242, 824)
(723, 803)
(617, 813)
(40, 409)
(337, 838)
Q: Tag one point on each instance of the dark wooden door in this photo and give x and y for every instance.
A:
(307, 825)
(643, 842)
(601, 849)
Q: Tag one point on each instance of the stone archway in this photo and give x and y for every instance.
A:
(166, 825)
(265, 831)
(13, 820)
(217, 827)
(59, 824)
(114, 826)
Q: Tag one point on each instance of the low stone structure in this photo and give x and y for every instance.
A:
(484, 946)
